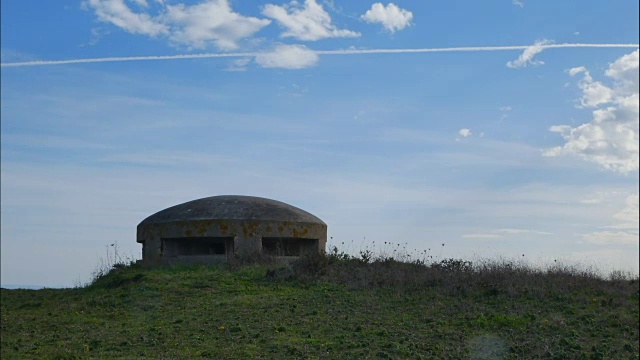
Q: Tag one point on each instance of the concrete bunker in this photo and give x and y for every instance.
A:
(216, 228)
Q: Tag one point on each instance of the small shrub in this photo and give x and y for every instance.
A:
(453, 265)
(366, 256)
(336, 255)
(311, 265)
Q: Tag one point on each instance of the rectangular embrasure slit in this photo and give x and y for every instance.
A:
(197, 246)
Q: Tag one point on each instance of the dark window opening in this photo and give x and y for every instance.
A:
(197, 246)
(288, 246)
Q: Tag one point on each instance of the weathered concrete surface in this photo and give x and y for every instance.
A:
(245, 219)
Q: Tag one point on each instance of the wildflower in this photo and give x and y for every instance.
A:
(221, 327)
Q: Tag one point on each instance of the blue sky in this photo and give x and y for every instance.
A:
(495, 152)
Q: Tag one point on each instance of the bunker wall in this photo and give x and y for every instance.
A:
(242, 237)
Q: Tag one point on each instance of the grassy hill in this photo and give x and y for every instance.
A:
(328, 307)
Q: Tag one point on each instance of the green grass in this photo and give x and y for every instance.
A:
(329, 307)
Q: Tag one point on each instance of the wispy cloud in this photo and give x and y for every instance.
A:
(96, 34)
(238, 65)
(168, 159)
(611, 237)
(49, 142)
(629, 216)
(624, 224)
(504, 112)
(318, 52)
(522, 231)
(526, 58)
(288, 57)
(501, 233)
(481, 236)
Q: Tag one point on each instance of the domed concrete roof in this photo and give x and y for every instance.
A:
(232, 207)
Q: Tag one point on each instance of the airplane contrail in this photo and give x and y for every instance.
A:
(319, 52)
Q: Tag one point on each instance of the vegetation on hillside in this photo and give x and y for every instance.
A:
(332, 306)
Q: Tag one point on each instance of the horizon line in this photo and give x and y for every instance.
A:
(318, 52)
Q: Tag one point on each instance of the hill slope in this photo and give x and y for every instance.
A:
(327, 307)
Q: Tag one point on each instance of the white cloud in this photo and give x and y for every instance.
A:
(501, 233)
(391, 17)
(308, 23)
(288, 57)
(629, 216)
(481, 236)
(210, 21)
(611, 137)
(611, 237)
(120, 15)
(239, 64)
(624, 72)
(600, 197)
(594, 93)
(626, 227)
(606, 259)
(527, 55)
(505, 110)
(522, 231)
(576, 70)
(519, 3)
(464, 132)
(195, 26)
(96, 35)
(142, 3)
